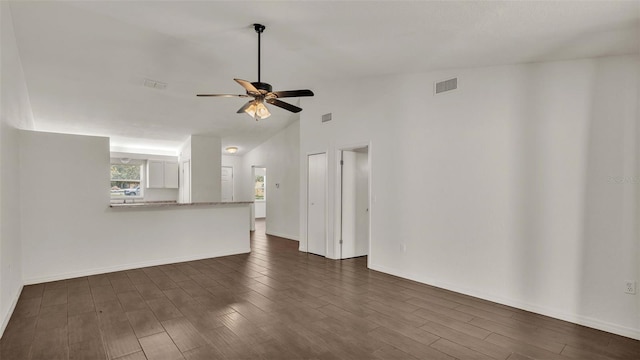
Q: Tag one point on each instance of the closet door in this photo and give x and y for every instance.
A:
(316, 204)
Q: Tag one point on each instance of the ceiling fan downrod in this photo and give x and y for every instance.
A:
(259, 29)
(262, 92)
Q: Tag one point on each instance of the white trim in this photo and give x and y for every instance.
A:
(7, 317)
(131, 266)
(554, 313)
(283, 235)
(338, 210)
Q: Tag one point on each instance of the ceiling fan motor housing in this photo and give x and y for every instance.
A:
(264, 87)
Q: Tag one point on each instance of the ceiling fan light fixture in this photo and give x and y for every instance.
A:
(251, 110)
(258, 110)
(262, 112)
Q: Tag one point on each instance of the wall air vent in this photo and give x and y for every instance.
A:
(326, 117)
(446, 85)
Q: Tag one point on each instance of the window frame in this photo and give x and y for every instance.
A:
(127, 161)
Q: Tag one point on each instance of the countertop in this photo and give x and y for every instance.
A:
(174, 204)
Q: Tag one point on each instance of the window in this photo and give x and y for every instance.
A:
(260, 190)
(126, 179)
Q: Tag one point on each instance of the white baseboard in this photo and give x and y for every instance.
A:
(554, 313)
(7, 316)
(282, 235)
(121, 267)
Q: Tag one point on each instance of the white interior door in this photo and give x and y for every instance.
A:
(316, 204)
(355, 204)
(362, 203)
(227, 183)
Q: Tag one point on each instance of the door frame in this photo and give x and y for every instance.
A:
(326, 201)
(338, 194)
(252, 191)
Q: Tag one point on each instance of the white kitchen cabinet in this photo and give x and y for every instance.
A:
(162, 174)
(171, 175)
(155, 174)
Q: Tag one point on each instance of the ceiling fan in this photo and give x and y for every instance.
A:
(262, 92)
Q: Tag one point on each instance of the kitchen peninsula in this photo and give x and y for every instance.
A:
(163, 204)
(72, 234)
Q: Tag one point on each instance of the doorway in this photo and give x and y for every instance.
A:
(227, 183)
(260, 192)
(316, 203)
(259, 206)
(354, 203)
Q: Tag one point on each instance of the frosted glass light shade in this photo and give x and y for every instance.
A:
(258, 111)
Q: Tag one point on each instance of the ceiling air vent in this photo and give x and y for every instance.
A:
(326, 117)
(446, 85)
(154, 84)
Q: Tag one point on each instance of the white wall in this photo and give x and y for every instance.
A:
(503, 189)
(205, 157)
(280, 156)
(15, 113)
(67, 236)
(260, 209)
(205, 168)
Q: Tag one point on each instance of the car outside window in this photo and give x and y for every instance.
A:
(126, 179)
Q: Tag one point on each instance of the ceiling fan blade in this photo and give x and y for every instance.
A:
(248, 86)
(245, 107)
(292, 93)
(223, 95)
(284, 105)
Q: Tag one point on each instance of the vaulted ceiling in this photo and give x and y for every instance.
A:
(85, 63)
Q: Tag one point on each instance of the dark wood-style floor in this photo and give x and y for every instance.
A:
(278, 303)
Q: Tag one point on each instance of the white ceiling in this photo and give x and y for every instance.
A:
(85, 62)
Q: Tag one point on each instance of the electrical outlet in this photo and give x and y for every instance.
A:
(630, 287)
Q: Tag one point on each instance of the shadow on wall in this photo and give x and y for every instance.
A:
(554, 156)
(610, 250)
(575, 223)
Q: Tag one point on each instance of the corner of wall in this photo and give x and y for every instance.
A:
(15, 113)
(6, 317)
